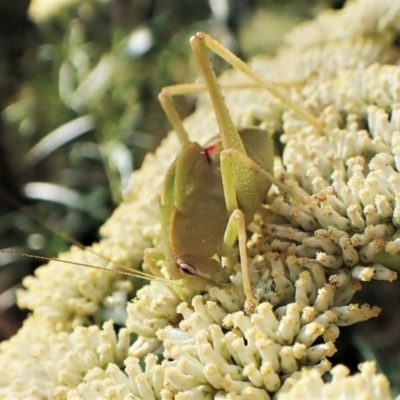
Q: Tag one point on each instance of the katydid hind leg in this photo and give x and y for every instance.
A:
(259, 148)
(238, 157)
(240, 65)
(245, 183)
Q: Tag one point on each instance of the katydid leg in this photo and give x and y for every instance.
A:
(245, 183)
(171, 112)
(228, 184)
(240, 65)
(236, 229)
(252, 165)
(166, 95)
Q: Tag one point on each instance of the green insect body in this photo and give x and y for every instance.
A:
(212, 193)
(194, 216)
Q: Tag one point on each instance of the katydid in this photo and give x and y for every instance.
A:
(211, 194)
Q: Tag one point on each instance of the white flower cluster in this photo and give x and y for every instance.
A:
(365, 385)
(38, 364)
(361, 18)
(307, 258)
(131, 384)
(67, 295)
(218, 353)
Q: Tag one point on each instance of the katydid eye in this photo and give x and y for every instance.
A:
(186, 269)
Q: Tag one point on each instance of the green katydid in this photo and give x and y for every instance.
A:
(210, 195)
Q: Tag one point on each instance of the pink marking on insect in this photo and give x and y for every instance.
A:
(212, 150)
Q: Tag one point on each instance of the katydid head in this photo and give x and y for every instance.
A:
(198, 272)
